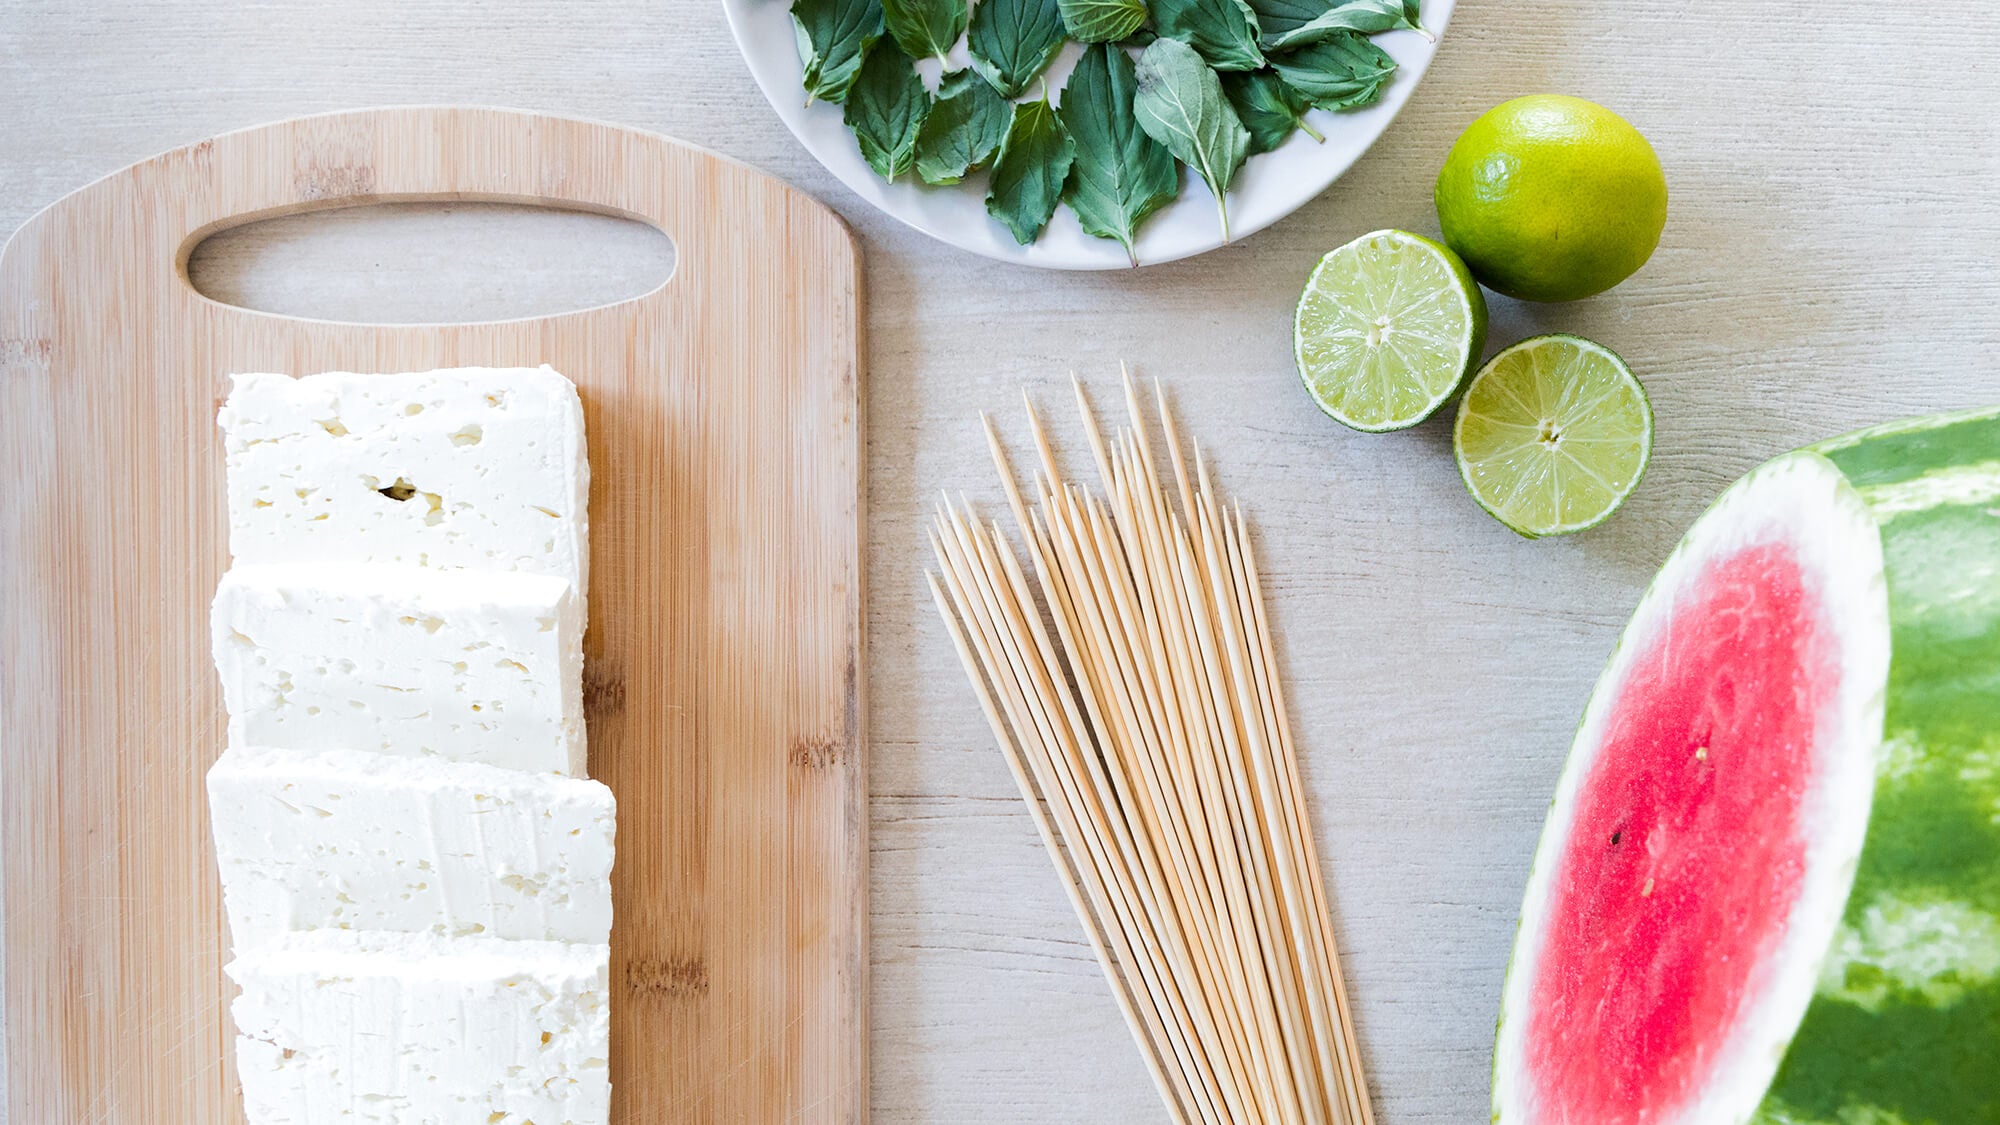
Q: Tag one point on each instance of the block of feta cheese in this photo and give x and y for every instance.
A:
(360, 841)
(468, 665)
(402, 1029)
(467, 467)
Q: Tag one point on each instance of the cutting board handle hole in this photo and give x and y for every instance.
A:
(431, 263)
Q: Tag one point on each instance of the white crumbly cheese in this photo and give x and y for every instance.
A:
(360, 841)
(468, 467)
(417, 876)
(468, 665)
(411, 1030)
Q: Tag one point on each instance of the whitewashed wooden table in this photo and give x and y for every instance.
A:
(1829, 262)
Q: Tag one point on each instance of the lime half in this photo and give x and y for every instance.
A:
(1389, 326)
(1553, 434)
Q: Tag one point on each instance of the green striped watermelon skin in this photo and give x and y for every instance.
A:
(1904, 1028)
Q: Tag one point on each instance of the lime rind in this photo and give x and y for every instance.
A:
(1552, 435)
(1387, 330)
(1551, 198)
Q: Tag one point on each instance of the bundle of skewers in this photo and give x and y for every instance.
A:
(1133, 687)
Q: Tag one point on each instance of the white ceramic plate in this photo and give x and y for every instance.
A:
(1268, 188)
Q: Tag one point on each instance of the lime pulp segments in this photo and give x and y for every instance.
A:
(1387, 329)
(1553, 434)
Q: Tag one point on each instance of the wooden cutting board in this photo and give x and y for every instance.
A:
(723, 675)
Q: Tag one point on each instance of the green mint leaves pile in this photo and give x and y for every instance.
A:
(1213, 83)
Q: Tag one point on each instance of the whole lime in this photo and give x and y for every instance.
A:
(1551, 198)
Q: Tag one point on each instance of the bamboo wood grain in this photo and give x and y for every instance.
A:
(722, 679)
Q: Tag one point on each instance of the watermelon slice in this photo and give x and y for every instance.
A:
(1768, 891)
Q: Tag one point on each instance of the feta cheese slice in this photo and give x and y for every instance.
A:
(359, 841)
(468, 665)
(467, 467)
(406, 1029)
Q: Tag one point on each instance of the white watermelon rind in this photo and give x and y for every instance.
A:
(1901, 1022)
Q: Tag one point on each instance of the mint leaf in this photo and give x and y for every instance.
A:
(1345, 71)
(1028, 176)
(1012, 41)
(1102, 21)
(925, 28)
(832, 36)
(966, 125)
(1223, 31)
(1121, 175)
(885, 109)
(1276, 17)
(1367, 17)
(1268, 108)
(1180, 104)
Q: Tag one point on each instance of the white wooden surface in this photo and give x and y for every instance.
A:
(1828, 262)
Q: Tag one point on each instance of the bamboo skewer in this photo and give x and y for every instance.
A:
(1143, 721)
(1170, 1090)
(1171, 1022)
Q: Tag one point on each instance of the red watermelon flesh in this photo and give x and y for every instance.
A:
(1688, 852)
